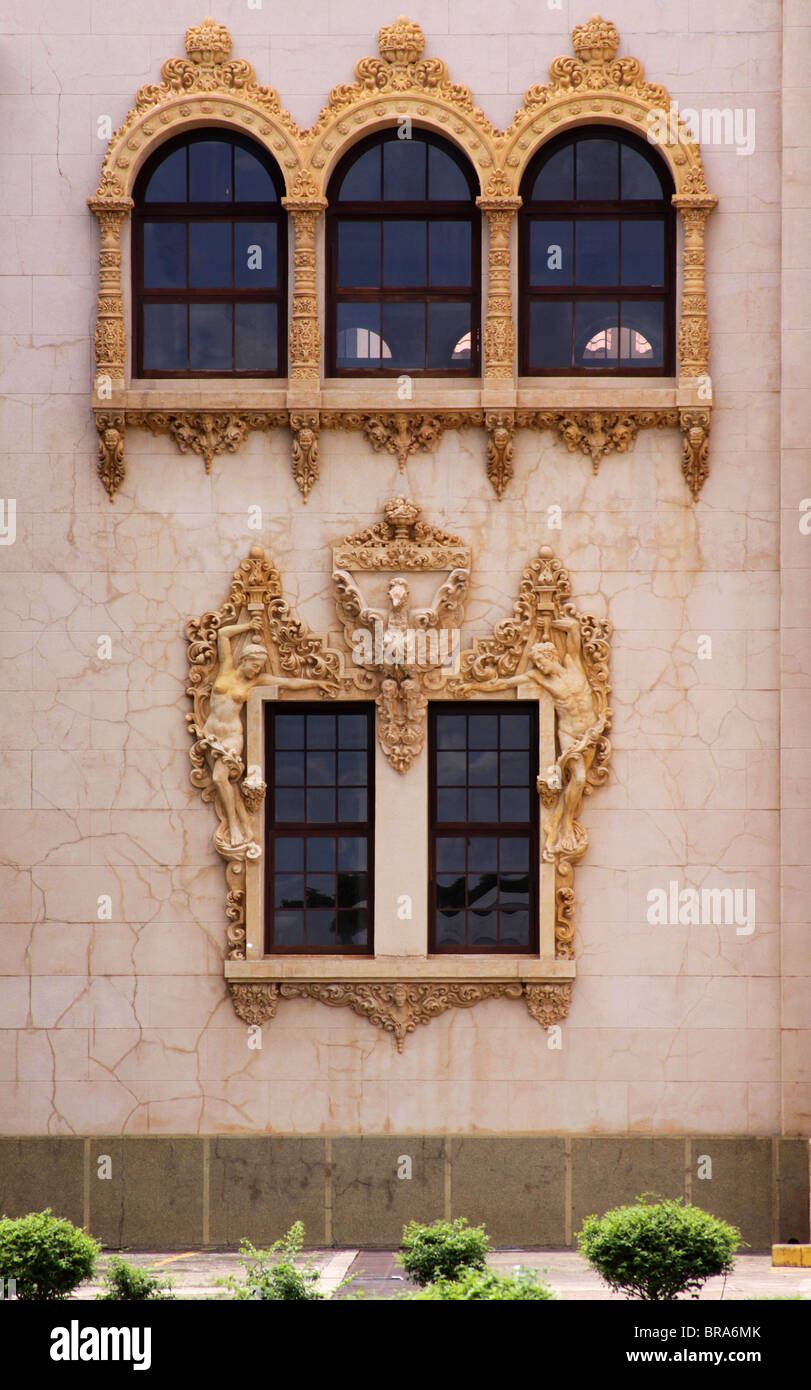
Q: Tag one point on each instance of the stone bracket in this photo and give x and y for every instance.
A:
(403, 433)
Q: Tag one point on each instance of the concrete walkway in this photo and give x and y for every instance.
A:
(197, 1274)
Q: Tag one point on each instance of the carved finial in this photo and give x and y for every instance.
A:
(401, 43)
(208, 43)
(546, 552)
(596, 41)
(256, 552)
(401, 515)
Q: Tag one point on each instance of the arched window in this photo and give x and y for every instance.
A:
(209, 260)
(403, 260)
(597, 258)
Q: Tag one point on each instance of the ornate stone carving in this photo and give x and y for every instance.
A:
(205, 433)
(596, 433)
(399, 1006)
(400, 651)
(305, 206)
(305, 427)
(546, 643)
(500, 430)
(549, 1003)
(401, 432)
(229, 651)
(111, 468)
(695, 426)
(694, 327)
(500, 205)
(254, 1003)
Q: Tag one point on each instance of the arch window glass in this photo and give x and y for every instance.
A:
(597, 258)
(209, 260)
(403, 260)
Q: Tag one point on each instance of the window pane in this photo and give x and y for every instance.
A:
(210, 255)
(210, 337)
(351, 853)
(514, 855)
(320, 768)
(639, 178)
(256, 337)
(289, 730)
(596, 253)
(352, 730)
(252, 182)
(320, 805)
(513, 767)
(352, 890)
(320, 730)
(483, 731)
(596, 333)
(352, 804)
(165, 337)
(320, 854)
(255, 255)
(643, 253)
(449, 336)
(404, 168)
(483, 854)
(450, 855)
(450, 731)
(288, 767)
(288, 804)
(404, 335)
(210, 171)
(450, 804)
(359, 336)
(164, 255)
(514, 928)
(168, 183)
(515, 730)
(358, 254)
(550, 334)
(597, 169)
(514, 804)
(361, 182)
(321, 928)
(446, 181)
(483, 804)
(321, 890)
(288, 928)
(403, 253)
(289, 854)
(451, 769)
(450, 929)
(550, 253)
(482, 768)
(289, 890)
(352, 769)
(555, 182)
(483, 928)
(642, 334)
(449, 253)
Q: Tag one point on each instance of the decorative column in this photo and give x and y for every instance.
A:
(694, 328)
(111, 206)
(305, 206)
(500, 205)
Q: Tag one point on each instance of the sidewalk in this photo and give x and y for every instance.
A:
(196, 1274)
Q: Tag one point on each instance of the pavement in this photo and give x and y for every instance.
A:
(199, 1274)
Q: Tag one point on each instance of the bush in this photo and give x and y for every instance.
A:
(45, 1256)
(657, 1249)
(442, 1250)
(486, 1284)
(128, 1283)
(271, 1275)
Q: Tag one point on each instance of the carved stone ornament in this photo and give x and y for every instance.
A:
(398, 1006)
(546, 644)
(208, 87)
(400, 651)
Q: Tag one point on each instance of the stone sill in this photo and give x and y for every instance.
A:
(401, 968)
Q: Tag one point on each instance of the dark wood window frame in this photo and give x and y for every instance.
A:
(312, 830)
(527, 830)
(199, 212)
(594, 210)
(392, 211)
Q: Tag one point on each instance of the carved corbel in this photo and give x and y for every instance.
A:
(206, 433)
(111, 469)
(500, 205)
(695, 425)
(305, 427)
(500, 425)
(305, 206)
(549, 1003)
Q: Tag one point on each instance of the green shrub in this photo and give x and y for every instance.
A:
(656, 1250)
(442, 1250)
(486, 1284)
(127, 1283)
(272, 1274)
(45, 1256)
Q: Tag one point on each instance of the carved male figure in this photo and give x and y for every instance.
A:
(222, 734)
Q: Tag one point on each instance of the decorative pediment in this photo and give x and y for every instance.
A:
(401, 541)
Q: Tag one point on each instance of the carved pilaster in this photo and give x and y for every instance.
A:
(695, 426)
(500, 425)
(305, 207)
(694, 328)
(500, 206)
(111, 206)
(111, 426)
(305, 427)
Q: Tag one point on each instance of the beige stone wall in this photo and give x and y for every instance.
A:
(125, 1025)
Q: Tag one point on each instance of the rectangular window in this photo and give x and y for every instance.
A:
(319, 828)
(484, 828)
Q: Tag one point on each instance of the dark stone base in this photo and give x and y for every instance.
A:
(193, 1192)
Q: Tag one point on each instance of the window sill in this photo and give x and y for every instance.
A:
(400, 968)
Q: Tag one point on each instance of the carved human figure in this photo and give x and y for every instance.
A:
(222, 736)
(578, 726)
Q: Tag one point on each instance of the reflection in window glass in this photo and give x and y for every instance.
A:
(362, 181)
(359, 254)
(210, 255)
(168, 183)
(210, 172)
(165, 337)
(256, 337)
(597, 170)
(404, 334)
(643, 253)
(404, 171)
(449, 336)
(449, 250)
(404, 253)
(555, 182)
(639, 178)
(550, 333)
(210, 337)
(446, 182)
(595, 332)
(252, 182)
(164, 255)
(596, 252)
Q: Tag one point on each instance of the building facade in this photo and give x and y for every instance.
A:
(405, 640)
